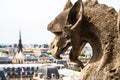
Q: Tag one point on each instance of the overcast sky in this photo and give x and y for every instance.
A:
(32, 17)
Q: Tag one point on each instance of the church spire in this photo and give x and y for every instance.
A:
(20, 42)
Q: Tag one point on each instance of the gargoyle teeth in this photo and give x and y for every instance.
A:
(62, 50)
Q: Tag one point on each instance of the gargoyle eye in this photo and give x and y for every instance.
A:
(58, 33)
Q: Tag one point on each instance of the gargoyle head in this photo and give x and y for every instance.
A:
(64, 26)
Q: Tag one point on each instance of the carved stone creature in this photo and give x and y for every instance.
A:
(92, 23)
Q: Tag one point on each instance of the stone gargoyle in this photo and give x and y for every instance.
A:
(93, 23)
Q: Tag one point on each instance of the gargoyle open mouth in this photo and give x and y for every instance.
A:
(61, 50)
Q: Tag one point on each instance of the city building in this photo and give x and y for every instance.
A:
(19, 56)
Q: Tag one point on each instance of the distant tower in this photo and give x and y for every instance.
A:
(20, 43)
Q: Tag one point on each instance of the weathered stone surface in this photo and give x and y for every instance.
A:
(96, 24)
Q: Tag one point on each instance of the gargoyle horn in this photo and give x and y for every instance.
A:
(75, 15)
(68, 5)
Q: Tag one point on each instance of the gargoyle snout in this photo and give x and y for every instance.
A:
(54, 49)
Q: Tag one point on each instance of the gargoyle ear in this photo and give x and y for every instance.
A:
(75, 15)
(68, 5)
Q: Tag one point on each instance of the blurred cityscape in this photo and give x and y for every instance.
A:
(35, 62)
